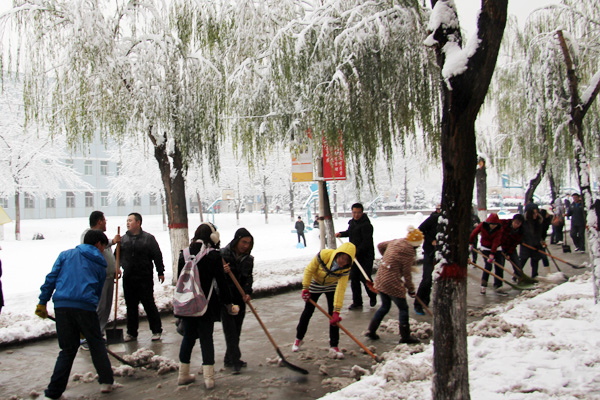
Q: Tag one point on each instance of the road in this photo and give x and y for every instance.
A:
(25, 369)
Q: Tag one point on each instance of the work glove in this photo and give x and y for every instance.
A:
(335, 318)
(412, 294)
(470, 248)
(305, 294)
(232, 309)
(40, 311)
(491, 258)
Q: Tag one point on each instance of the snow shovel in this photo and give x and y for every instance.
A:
(362, 346)
(523, 278)
(112, 353)
(518, 287)
(369, 282)
(554, 257)
(279, 353)
(114, 335)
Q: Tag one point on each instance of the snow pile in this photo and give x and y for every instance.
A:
(542, 347)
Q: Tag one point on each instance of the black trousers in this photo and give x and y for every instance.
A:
(140, 291)
(232, 329)
(424, 291)
(357, 279)
(309, 309)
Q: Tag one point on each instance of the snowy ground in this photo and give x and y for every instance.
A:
(543, 347)
(278, 262)
(533, 347)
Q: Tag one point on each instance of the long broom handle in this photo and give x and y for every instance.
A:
(515, 266)
(543, 252)
(424, 306)
(369, 281)
(117, 272)
(492, 274)
(495, 263)
(239, 287)
(345, 330)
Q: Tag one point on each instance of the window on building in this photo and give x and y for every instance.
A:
(121, 202)
(104, 168)
(50, 202)
(4, 202)
(153, 199)
(137, 200)
(29, 201)
(119, 166)
(104, 199)
(88, 166)
(70, 200)
(69, 163)
(89, 199)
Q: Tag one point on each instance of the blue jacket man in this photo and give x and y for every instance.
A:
(75, 285)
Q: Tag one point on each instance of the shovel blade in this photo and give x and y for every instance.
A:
(114, 336)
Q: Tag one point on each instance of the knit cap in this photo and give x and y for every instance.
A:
(414, 236)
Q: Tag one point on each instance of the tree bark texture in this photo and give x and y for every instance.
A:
(175, 201)
(481, 181)
(17, 215)
(535, 182)
(578, 111)
(462, 97)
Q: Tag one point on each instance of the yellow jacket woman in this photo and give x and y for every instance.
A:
(327, 273)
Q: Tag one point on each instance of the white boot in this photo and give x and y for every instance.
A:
(184, 375)
(209, 376)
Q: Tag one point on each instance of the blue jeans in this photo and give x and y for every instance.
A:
(386, 304)
(70, 323)
(198, 328)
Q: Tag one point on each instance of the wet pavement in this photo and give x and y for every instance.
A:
(25, 369)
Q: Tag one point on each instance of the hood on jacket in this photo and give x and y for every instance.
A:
(241, 233)
(347, 248)
(493, 219)
(92, 253)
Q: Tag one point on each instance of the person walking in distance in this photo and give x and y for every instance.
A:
(300, 230)
(360, 233)
(139, 250)
(327, 274)
(577, 214)
(532, 235)
(429, 230)
(241, 264)
(75, 286)
(98, 222)
(394, 280)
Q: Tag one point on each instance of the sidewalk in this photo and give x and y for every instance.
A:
(25, 369)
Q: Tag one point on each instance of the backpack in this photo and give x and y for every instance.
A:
(189, 299)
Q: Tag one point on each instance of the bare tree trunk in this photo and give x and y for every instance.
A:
(535, 182)
(481, 179)
(266, 203)
(578, 111)
(176, 207)
(462, 95)
(17, 215)
(199, 207)
(554, 188)
(326, 222)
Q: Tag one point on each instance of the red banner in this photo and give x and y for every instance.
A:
(334, 166)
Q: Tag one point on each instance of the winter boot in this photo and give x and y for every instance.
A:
(405, 335)
(372, 331)
(209, 376)
(184, 374)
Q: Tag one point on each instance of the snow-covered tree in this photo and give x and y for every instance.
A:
(32, 162)
(419, 198)
(466, 70)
